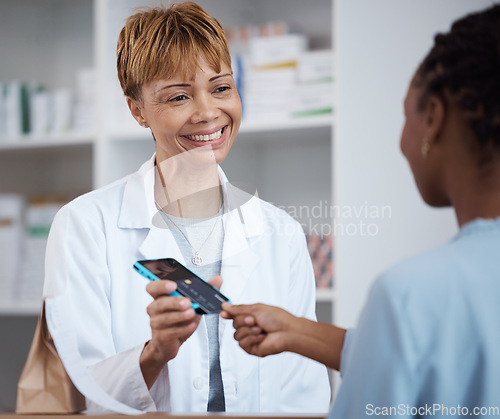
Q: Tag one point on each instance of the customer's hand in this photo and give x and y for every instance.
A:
(261, 330)
(266, 330)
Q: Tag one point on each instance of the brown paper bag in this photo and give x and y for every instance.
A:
(44, 385)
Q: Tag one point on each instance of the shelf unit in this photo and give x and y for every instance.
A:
(266, 153)
(48, 41)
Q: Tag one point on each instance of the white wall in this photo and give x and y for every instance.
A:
(380, 44)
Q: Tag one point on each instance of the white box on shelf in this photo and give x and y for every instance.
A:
(41, 112)
(315, 67)
(38, 219)
(62, 105)
(270, 78)
(312, 99)
(273, 50)
(268, 93)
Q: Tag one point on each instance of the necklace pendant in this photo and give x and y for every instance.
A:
(196, 259)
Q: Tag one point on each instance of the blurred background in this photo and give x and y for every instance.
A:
(322, 84)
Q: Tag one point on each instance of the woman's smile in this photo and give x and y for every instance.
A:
(213, 137)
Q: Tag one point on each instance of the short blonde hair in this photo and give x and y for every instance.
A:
(157, 42)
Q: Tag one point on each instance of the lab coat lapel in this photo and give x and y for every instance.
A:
(138, 211)
(242, 221)
(160, 243)
(138, 207)
(238, 261)
(238, 258)
(243, 224)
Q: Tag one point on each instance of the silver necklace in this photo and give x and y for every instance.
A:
(196, 260)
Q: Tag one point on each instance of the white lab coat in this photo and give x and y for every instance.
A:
(92, 246)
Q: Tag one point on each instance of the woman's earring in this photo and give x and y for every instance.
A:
(426, 147)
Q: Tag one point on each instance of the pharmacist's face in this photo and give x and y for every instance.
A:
(191, 115)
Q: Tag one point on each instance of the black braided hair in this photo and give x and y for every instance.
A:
(463, 69)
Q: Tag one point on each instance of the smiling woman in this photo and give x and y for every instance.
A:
(185, 113)
(146, 348)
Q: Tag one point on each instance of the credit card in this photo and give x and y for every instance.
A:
(205, 298)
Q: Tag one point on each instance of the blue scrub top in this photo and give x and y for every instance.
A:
(428, 340)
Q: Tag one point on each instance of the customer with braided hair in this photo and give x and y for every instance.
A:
(428, 340)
